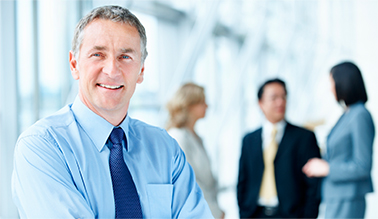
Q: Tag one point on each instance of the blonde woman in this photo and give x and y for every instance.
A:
(186, 107)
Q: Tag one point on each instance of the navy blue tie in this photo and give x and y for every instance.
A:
(126, 199)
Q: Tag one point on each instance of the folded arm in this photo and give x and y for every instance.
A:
(41, 183)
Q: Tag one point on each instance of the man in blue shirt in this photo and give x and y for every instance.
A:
(62, 165)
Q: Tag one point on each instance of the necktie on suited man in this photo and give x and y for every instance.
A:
(268, 188)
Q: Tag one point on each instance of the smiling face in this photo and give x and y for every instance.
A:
(108, 68)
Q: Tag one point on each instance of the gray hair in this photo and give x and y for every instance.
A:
(113, 13)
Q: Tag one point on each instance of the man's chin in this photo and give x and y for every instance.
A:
(111, 106)
(280, 118)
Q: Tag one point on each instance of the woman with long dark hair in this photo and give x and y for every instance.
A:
(348, 161)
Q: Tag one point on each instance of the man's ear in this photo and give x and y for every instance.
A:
(260, 104)
(141, 75)
(73, 66)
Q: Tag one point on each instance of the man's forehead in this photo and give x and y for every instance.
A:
(106, 48)
(274, 89)
(131, 34)
(103, 22)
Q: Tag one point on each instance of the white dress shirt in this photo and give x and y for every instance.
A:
(266, 137)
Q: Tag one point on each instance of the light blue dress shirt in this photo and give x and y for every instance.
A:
(61, 169)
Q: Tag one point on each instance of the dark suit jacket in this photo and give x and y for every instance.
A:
(298, 195)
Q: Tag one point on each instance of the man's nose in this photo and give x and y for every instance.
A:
(111, 67)
(280, 100)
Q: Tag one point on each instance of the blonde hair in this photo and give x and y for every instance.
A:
(187, 95)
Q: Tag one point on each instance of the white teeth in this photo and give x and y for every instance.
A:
(110, 86)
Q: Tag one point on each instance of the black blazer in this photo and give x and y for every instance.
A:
(298, 195)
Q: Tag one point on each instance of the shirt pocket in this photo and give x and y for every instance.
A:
(160, 200)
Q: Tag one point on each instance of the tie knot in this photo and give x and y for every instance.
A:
(116, 136)
(274, 131)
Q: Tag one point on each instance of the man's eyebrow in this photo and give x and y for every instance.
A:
(128, 50)
(101, 48)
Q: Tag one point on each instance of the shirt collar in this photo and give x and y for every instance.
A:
(354, 105)
(268, 127)
(125, 126)
(279, 125)
(96, 127)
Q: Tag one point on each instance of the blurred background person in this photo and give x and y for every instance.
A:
(185, 108)
(348, 161)
(271, 183)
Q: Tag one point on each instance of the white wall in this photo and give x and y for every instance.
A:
(367, 58)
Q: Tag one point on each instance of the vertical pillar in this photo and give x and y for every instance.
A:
(8, 105)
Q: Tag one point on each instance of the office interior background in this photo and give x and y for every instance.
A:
(229, 47)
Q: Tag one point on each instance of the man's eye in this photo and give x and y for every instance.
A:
(96, 54)
(125, 57)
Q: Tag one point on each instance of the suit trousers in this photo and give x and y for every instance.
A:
(266, 212)
(345, 208)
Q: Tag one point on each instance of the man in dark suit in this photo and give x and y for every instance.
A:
(271, 183)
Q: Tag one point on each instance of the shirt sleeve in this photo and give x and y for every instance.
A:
(188, 199)
(41, 182)
(195, 160)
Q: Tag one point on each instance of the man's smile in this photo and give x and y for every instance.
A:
(110, 86)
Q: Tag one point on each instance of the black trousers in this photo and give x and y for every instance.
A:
(266, 212)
